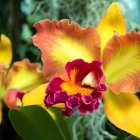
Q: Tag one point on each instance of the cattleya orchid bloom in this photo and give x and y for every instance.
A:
(94, 59)
(15, 81)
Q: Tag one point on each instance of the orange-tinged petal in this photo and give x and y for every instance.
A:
(24, 75)
(13, 98)
(113, 20)
(36, 97)
(62, 42)
(0, 112)
(121, 61)
(123, 111)
(5, 50)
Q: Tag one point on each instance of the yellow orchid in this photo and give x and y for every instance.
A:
(18, 79)
(62, 42)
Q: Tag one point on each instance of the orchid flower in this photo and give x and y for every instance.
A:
(85, 65)
(15, 81)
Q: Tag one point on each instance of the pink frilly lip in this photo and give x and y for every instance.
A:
(84, 103)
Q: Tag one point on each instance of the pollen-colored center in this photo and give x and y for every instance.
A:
(73, 89)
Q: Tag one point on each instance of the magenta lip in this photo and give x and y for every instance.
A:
(84, 104)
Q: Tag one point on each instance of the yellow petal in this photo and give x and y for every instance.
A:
(121, 61)
(24, 75)
(3, 70)
(0, 112)
(36, 97)
(5, 50)
(123, 111)
(62, 42)
(113, 20)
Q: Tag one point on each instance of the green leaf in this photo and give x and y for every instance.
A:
(34, 123)
(64, 123)
(131, 138)
(126, 136)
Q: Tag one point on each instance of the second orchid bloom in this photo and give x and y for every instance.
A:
(18, 79)
(83, 50)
